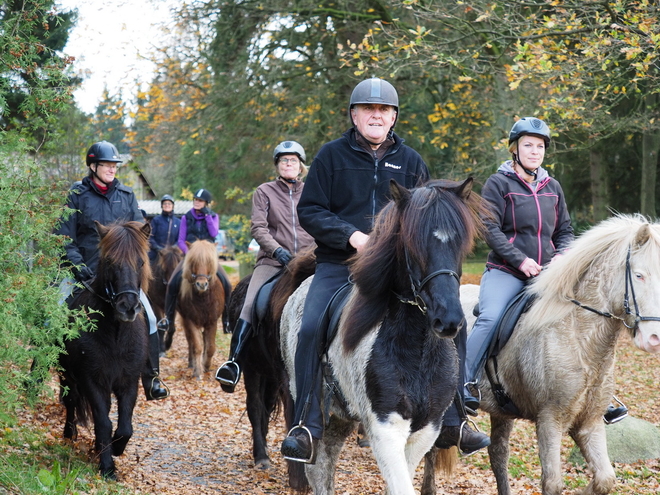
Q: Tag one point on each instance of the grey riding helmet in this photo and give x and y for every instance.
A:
(374, 90)
(102, 151)
(289, 148)
(530, 126)
(166, 197)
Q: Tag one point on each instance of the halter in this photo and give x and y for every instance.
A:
(630, 291)
(416, 286)
(194, 277)
(112, 296)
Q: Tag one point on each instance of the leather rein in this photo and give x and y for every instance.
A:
(630, 292)
(416, 285)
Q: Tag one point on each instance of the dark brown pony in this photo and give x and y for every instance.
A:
(109, 359)
(164, 265)
(201, 302)
(264, 376)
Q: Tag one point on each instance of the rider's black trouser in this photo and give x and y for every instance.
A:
(327, 279)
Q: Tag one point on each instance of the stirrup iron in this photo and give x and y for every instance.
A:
(224, 381)
(312, 458)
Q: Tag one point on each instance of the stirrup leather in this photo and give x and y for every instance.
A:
(312, 458)
(224, 381)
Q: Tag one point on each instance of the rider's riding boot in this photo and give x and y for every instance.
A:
(614, 414)
(300, 446)
(230, 373)
(464, 437)
(154, 388)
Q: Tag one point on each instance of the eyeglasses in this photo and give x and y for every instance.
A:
(111, 166)
(292, 161)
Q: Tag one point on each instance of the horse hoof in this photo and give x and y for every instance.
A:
(262, 464)
(363, 442)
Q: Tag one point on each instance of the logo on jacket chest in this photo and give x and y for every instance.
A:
(391, 165)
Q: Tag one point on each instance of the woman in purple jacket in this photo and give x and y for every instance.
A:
(200, 223)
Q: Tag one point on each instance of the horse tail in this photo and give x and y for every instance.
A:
(445, 461)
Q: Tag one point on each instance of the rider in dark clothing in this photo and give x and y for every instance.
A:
(164, 228)
(347, 185)
(103, 198)
(200, 223)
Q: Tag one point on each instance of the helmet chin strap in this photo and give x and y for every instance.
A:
(107, 184)
(290, 181)
(517, 160)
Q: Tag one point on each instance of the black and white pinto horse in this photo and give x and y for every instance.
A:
(109, 359)
(393, 359)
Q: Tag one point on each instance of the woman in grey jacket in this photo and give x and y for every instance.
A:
(276, 228)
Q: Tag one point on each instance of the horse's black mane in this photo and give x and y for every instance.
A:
(405, 225)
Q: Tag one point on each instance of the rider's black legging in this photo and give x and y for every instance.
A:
(327, 279)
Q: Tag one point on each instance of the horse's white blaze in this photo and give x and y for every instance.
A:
(647, 295)
(444, 235)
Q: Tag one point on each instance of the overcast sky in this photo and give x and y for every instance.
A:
(110, 42)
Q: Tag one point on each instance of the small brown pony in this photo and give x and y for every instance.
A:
(162, 268)
(200, 303)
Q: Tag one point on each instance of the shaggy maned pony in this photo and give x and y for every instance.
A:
(166, 262)
(393, 360)
(200, 302)
(109, 359)
(558, 366)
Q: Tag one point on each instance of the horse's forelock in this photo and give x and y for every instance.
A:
(202, 258)
(125, 244)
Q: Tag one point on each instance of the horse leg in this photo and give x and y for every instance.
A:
(256, 410)
(428, 479)
(389, 443)
(100, 404)
(195, 348)
(126, 399)
(549, 439)
(209, 344)
(321, 476)
(592, 443)
(70, 399)
(498, 451)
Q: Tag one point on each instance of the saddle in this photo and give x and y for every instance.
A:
(328, 327)
(503, 330)
(262, 299)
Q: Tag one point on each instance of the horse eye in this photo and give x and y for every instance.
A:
(639, 277)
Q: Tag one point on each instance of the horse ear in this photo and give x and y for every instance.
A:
(463, 191)
(101, 229)
(146, 230)
(400, 194)
(643, 235)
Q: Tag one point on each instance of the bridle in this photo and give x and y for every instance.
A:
(630, 293)
(416, 286)
(112, 296)
(194, 277)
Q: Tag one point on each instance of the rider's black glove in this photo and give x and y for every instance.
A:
(206, 210)
(282, 256)
(83, 273)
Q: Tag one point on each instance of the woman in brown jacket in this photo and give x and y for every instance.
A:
(275, 227)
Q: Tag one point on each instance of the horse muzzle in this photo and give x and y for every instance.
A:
(201, 283)
(446, 328)
(128, 307)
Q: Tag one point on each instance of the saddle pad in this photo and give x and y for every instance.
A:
(504, 327)
(329, 322)
(260, 305)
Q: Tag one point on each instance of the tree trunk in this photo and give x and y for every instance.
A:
(650, 147)
(599, 191)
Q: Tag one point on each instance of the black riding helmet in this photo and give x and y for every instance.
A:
(204, 195)
(102, 151)
(166, 197)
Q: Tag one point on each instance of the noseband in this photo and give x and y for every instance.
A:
(416, 286)
(112, 296)
(630, 292)
(194, 277)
